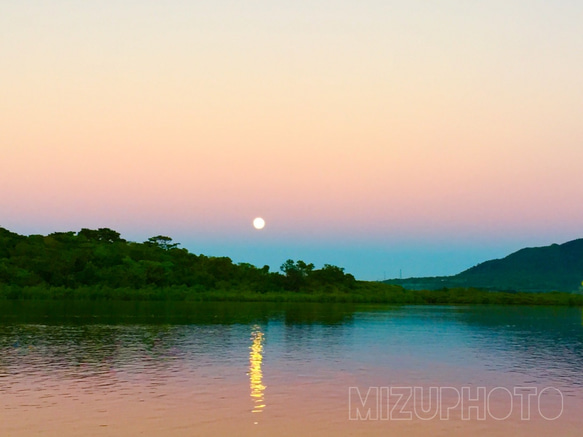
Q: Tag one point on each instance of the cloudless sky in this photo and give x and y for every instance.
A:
(378, 135)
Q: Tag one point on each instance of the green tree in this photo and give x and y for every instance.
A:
(104, 235)
(162, 241)
(296, 273)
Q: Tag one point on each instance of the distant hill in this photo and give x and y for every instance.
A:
(549, 268)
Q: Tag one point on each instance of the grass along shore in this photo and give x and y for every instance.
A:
(362, 292)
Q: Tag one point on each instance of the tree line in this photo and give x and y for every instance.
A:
(100, 257)
(97, 264)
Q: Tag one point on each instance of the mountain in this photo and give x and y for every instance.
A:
(558, 267)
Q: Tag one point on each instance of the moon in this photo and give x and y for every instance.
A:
(258, 223)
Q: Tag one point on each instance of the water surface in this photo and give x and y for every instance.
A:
(189, 369)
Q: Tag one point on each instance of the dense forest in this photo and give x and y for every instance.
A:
(102, 258)
(100, 265)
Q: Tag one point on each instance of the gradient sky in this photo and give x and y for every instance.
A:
(378, 135)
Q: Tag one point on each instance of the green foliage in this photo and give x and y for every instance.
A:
(102, 261)
(296, 274)
(105, 235)
(161, 241)
(536, 269)
(100, 265)
(363, 292)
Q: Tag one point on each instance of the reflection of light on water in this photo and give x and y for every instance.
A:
(255, 373)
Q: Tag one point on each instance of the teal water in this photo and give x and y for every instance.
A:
(79, 364)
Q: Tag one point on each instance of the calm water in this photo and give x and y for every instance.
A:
(265, 369)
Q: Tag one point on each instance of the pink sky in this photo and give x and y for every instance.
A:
(378, 127)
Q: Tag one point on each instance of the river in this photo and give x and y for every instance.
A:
(263, 369)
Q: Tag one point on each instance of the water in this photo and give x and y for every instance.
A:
(180, 369)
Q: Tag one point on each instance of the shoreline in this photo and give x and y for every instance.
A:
(363, 292)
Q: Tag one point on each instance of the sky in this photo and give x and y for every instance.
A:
(413, 138)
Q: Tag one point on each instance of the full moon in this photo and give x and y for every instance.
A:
(258, 223)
